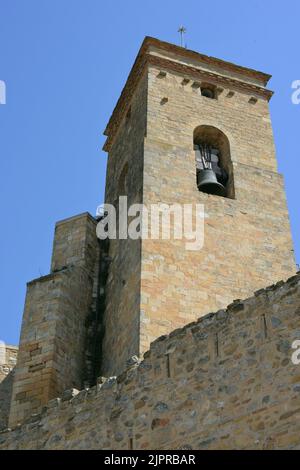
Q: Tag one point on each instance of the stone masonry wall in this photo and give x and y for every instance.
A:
(51, 354)
(226, 381)
(8, 359)
(247, 240)
(156, 286)
(122, 312)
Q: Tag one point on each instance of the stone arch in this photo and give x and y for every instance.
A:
(215, 138)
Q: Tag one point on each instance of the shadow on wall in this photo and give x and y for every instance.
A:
(5, 396)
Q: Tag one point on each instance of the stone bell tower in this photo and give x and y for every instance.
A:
(176, 103)
(187, 129)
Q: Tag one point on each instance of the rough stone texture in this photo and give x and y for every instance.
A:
(157, 286)
(51, 355)
(74, 243)
(224, 382)
(122, 313)
(8, 359)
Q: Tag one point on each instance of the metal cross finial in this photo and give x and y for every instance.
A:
(182, 31)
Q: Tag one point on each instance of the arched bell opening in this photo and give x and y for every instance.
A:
(214, 172)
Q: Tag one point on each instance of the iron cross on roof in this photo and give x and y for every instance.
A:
(182, 31)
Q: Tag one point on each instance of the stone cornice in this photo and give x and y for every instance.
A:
(223, 64)
(213, 77)
(144, 59)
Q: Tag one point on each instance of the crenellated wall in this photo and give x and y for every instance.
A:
(225, 381)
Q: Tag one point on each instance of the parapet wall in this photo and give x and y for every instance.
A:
(226, 381)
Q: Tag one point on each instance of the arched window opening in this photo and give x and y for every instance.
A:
(213, 162)
(209, 91)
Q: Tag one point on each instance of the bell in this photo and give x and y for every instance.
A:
(207, 182)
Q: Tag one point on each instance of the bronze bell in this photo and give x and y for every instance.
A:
(207, 182)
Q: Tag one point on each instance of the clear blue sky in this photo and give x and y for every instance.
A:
(65, 62)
